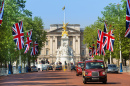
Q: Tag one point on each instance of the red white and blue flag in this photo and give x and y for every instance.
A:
(109, 40)
(100, 43)
(34, 49)
(92, 51)
(1, 12)
(18, 34)
(127, 33)
(28, 41)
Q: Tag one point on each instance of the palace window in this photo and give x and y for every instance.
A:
(70, 43)
(46, 42)
(46, 51)
(82, 52)
(59, 43)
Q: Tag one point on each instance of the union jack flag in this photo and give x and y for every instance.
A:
(28, 41)
(34, 49)
(1, 12)
(18, 34)
(109, 41)
(92, 51)
(127, 33)
(100, 43)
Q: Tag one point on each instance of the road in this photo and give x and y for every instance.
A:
(60, 78)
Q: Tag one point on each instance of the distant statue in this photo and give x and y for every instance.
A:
(58, 51)
(64, 25)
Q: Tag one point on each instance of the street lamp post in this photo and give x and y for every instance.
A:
(120, 44)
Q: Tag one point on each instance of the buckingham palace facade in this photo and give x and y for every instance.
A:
(53, 42)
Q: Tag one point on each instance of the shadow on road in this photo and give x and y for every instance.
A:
(102, 83)
(37, 78)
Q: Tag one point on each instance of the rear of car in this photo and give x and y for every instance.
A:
(94, 71)
(34, 69)
(79, 68)
(59, 68)
(112, 68)
(73, 67)
(45, 67)
(50, 68)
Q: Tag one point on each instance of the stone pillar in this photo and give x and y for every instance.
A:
(51, 45)
(55, 44)
(54, 49)
(78, 45)
(74, 43)
(76, 48)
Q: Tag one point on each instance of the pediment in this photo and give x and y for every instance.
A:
(70, 30)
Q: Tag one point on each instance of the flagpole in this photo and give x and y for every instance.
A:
(120, 45)
(110, 58)
(19, 61)
(64, 15)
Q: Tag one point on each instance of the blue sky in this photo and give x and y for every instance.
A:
(83, 12)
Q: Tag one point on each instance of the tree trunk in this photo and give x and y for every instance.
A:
(0, 64)
(125, 61)
(5, 64)
(29, 62)
(129, 59)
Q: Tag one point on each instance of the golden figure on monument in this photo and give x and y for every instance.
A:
(64, 27)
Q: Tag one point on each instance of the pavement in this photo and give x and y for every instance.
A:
(61, 78)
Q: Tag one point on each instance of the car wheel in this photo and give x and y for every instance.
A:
(104, 82)
(77, 74)
(84, 80)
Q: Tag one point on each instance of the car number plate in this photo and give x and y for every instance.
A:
(95, 78)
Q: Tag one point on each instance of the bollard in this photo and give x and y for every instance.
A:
(19, 69)
(10, 69)
(26, 69)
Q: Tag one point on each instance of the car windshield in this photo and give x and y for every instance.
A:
(34, 67)
(81, 65)
(94, 65)
(111, 65)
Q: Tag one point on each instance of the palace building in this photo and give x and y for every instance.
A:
(54, 34)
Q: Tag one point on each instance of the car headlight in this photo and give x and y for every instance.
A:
(103, 73)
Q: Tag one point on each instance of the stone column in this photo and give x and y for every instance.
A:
(74, 43)
(51, 45)
(54, 49)
(76, 48)
(79, 45)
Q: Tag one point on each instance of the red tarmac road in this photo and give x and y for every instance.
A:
(60, 78)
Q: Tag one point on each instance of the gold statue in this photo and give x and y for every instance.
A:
(64, 27)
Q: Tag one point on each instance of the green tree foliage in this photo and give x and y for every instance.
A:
(114, 15)
(14, 12)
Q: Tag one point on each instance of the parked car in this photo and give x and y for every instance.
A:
(73, 67)
(45, 67)
(50, 68)
(34, 69)
(59, 68)
(79, 68)
(112, 68)
(94, 71)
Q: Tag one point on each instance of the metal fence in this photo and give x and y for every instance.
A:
(126, 68)
(4, 71)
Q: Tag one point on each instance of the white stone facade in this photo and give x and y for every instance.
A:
(54, 42)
